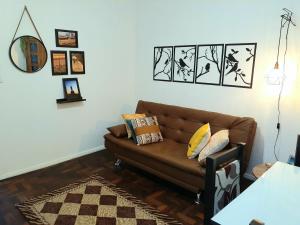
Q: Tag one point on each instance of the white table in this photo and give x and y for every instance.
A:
(274, 199)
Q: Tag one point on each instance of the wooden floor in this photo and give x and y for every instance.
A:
(162, 195)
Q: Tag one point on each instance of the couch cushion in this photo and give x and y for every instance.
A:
(118, 130)
(168, 151)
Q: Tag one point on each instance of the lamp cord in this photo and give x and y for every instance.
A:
(282, 84)
(279, 41)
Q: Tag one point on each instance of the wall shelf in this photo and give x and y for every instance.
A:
(64, 100)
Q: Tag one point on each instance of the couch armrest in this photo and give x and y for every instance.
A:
(118, 131)
(213, 162)
(230, 149)
(219, 158)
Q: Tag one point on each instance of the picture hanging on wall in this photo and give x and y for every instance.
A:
(184, 63)
(162, 65)
(77, 62)
(66, 38)
(59, 63)
(71, 88)
(209, 64)
(239, 62)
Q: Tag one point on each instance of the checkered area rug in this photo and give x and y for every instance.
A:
(92, 201)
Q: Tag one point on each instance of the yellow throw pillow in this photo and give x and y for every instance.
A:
(216, 143)
(198, 141)
(130, 117)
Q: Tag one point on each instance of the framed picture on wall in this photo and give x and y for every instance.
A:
(209, 64)
(184, 63)
(66, 38)
(239, 62)
(163, 63)
(71, 88)
(77, 62)
(59, 62)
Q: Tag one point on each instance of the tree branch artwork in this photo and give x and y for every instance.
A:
(162, 69)
(213, 58)
(251, 54)
(209, 61)
(184, 63)
(190, 53)
(239, 63)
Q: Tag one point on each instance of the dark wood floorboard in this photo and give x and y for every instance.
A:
(160, 194)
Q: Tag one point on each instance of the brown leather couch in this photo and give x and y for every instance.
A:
(168, 159)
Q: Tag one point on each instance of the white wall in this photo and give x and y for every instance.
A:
(34, 130)
(118, 39)
(175, 22)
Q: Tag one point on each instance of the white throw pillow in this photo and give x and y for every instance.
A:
(217, 142)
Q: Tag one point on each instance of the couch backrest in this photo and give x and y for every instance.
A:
(179, 124)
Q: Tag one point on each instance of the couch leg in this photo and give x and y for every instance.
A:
(198, 198)
(118, 164)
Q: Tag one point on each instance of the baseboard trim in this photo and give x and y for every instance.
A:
(249, 176)
(50, 163)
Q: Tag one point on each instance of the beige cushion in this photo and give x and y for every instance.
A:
(217, 142)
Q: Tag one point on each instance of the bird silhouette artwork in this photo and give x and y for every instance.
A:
(239, 65)
(183, 68)
(233, 64)
(231, 57)
(207, 67)
(184, 63)
(209, 64)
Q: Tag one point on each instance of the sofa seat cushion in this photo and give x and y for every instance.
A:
(168, 151)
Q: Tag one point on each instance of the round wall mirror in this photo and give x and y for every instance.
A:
(28, 54)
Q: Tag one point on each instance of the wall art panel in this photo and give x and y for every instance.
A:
(163, 63)
(239, 65)
(184, 63)
(209, 64)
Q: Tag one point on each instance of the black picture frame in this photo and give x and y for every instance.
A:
(71, 88)
(163, 63)
(231, 65)
(80, 60)
(212, 56)
(61, 42)
(185, 66)
(56, 71)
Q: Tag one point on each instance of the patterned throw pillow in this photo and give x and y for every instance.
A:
(130, 127)
(127, 117)
(146, 130)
